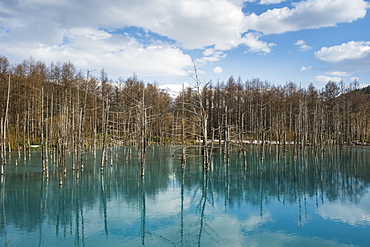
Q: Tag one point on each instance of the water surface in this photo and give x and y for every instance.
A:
(312, 200)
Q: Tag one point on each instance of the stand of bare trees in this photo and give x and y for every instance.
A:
(256, 112)
(60, 111)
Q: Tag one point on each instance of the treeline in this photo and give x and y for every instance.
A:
(255, 110)
(58, 106)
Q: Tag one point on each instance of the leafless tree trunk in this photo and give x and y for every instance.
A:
(203, 115)
(183, 147)
(42, 131)
(4, 127)
(105, 132)
(143, 132)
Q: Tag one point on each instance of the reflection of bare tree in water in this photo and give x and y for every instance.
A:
(143, 211)
(60, 212)
(226, 174)
(43, 205)
(75, 201)
(336, 176)
(104, 204)
(206, 192)
(3, 212)
(79, 217)
(182, 206)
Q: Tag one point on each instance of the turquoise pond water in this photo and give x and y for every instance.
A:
(274, 201)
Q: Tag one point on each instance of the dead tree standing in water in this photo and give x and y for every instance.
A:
(4, 127)
(142, 128)
(203, 115)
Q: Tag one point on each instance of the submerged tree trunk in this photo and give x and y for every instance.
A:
(203, 115)
(183, 147)
(4, 131)
(105, 131)
(143, 126)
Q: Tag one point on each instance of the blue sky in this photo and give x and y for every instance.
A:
(309, 41)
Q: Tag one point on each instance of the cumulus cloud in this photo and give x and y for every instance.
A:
(265, 2)
(323, 79)
(212, 55)
(122, 55)
(346, 51)
(303, 45)
(303, 68)
(217, 70)
(306, 15)
(256, 45)
(338, 73)
(271, 1)
(197, 24)
(300, 42)
(192, 24)
(92, 33)
(89, 33)
(345, 59)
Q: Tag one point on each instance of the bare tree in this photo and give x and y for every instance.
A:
(4, 126)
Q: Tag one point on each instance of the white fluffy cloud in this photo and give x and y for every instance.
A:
(120, 55)
(256, 45)
(159, 33)
(303, 45)
(217, 70)
(338, 73)
(197, 24)
(304, 68)
(89, 33)
(212, 55)
(323, 79)
(193, 24)
(265, 2)
(271, 1)
(347, 51)
(307, 14)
